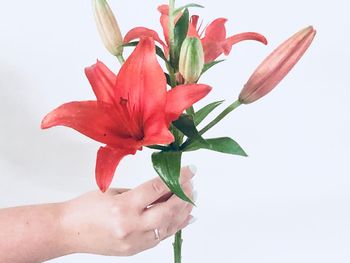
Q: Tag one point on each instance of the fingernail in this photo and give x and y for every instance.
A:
(192, 220)
(193, 169)
(195, 196)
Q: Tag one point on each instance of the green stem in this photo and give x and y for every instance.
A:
(222, 115)
(172, 28)
(172, 76)
(121, 59)
(178, 239)
(177, 247)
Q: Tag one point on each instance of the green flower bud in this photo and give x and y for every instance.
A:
(108, 27)
(191, 61)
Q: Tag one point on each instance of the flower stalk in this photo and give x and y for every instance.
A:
(177, 247)
(121, 59)
(222, 115)
(172, 28)
(178, 236)
(172, 72)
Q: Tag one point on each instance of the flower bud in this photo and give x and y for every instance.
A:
(191, 61)
(277, 65)
(108, 27)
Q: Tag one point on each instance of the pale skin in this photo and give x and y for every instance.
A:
(120, 222)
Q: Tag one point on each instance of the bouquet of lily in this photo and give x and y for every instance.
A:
(143, 106)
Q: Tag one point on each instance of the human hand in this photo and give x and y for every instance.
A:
(121, 222)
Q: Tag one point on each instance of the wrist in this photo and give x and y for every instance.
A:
(68, 229)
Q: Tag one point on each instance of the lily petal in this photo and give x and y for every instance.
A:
(216, 30)
(215, 42)
(158, 133)
(102, 81)
(212, 49)
(142, 83)
(163, 9)
(107, 161)
(94, 119)
(182, 97)
(229, 42)
(139, 32)
(164, 20)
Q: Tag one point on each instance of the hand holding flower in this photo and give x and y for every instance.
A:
(122, 222)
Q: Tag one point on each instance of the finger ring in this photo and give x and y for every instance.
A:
(156, 233)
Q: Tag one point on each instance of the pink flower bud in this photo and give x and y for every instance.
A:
(276, 66)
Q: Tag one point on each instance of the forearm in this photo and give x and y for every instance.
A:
(32, 234)
(119, 222)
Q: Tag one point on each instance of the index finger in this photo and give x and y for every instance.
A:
(149, 192)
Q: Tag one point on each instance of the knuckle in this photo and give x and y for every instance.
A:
(119, 210)
(122, 231)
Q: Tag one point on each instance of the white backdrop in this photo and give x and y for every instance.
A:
(287, 202)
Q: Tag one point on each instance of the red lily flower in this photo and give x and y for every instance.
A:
(133, 109)
(215, 42)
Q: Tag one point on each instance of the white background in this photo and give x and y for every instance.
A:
(287, 202)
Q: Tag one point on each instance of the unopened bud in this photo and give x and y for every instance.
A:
(191, 61)
(277, 65)
(108, 27)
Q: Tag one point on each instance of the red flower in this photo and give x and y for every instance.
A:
(132, 110)
(215, 42)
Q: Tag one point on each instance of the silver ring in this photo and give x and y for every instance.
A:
(156, 233)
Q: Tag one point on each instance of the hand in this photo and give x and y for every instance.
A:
(121, 222)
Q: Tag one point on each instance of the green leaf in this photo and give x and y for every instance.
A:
(168, 165)
(180, 33)
(186, 125)
(131, 44)
(178, 10)
(205, 111)
(168, 81)
(223, 145)
(210, 65)
(159, 147)
(160, 53)
(178, 135)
